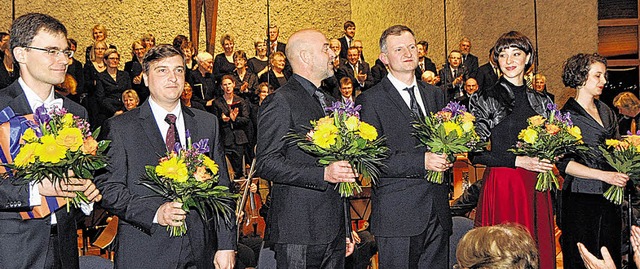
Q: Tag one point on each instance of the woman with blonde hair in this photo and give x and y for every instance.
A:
(504, 246)
(628, 107)
(223, 62)
(98, 33)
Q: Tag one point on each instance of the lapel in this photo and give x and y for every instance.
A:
(396, 99)
(19, 102)
(150, 127)
(191, 124)
(577, 108)
(429, 103)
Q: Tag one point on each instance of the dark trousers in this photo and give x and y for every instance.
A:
(293, 256)
(427, 250)
(53, 253)
(593, 221)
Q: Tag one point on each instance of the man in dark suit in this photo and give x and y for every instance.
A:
(274, 44)
(469, 60)
(487, 73)
(138, 139)
(347, 39)
(424, 62)
(453, 76)
(306, 219)
(39, 45)
(358, 72)
(410, 216)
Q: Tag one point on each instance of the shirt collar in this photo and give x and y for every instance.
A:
(306, 84)
(399, 85)
(32, 98)
(160, 113)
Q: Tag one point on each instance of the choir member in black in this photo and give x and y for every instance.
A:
(223, 62)
(628, 107)
(134, 69)
(586, 216)
(260, 63)
(278, 75)
(246, 82)
(110, 86)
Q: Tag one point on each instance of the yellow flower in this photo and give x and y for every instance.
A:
(201, 174)
(367, 131)
(29, 135)
(468, 117)
(50, 151)
(325, 135)
(26, 155)
(67, 120)
(452, 126)
(575, 132)
(536, 120)
(552, 128)
(467, 126)
(528, 135)
(209, 163)
(352, 123)
(324, 121)
(634, 140)
(612, 142)
(173, 168)
(71, 138)
(90, 146)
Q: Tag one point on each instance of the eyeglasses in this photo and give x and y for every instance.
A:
(114, 59)
(54, 52)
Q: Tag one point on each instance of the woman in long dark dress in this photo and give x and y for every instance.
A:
(508, 193)
(586, 216)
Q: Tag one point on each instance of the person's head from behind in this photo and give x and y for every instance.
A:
(398, 49)
(39, 45)
(346, 87)
(627, 104)
(504, 246)
(130, 99)
(514, 54)
(164, 74)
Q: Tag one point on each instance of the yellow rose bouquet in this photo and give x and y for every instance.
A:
(624, 156)
(549, 138)
(58, 142)
(341, 136)
(190, 177)
(450, 131)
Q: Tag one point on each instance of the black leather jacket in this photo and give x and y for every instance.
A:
(492, 105)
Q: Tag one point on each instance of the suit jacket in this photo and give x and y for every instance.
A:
(272, 79)
(345, 70)
(233, 132)
(109, 91)
(378, 72)
(134, 68)
(135, 142)
(344, 47)
(23, 244)
(471, 63)
(428, 66)
(486, 76)
(446, 81)
(279, 46)
(403, 201)
(305, 209)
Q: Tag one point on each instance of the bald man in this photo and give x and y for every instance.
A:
(306, 219)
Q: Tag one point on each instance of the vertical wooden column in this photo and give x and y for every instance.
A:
(210, 20)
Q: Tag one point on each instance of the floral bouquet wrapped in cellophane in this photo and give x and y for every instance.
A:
(58, 142)
(187, 175)
(549, 138)
(450, 131)
(624, 156)
(341, 136)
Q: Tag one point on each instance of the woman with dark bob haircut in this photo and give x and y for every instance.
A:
(504, 246)
(586, 216)
(508, 193)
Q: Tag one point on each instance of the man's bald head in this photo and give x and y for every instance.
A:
(309, 55)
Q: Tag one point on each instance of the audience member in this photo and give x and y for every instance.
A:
(99, 33)
(488, 73)
(202, 82)
(628, 107)
(346, 90)
(92, 68)
(110, 86)
(378, 71)
(186, 98)
(148, 41)
(358, 72)
(469, 60)
(470, 87)
(130, 99)
(4, 38)
(592, 262)
(223, 62)
(134, 69)
(453, 76)
(246, 83)
(278, 75)
(9, 70)
(424, 62)
(345, 41)
(540, 85)
(274, 44)
(358, 45)
(503, 246)
(75, 69)
(259, 64)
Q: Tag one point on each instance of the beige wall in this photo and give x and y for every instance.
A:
(564, 28)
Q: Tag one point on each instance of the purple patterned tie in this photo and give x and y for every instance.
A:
(172, 133)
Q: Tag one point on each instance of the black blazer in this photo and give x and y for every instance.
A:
(345, 70)
(109, 91)
(593, 135)
(23, 244)
(471, 63)
(428, 66)
(273, 80)
(403, 201)
(486, 76)
(233, 132)
(221, 67)
(446, 81)
(135, 142)
(305, 209)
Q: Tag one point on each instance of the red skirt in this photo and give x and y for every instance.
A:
(509, 195)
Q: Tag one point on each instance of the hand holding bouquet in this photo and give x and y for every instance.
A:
(624, 156)
(57, 147)
(548, 138)
(187, 175)
(450, 131)
(343, 137)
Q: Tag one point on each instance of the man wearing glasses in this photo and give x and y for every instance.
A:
(39, 46)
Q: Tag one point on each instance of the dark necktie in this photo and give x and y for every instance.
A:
(321, 99)
(172, 133)
(413, 103)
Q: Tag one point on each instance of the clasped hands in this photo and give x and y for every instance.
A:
(69, 188)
